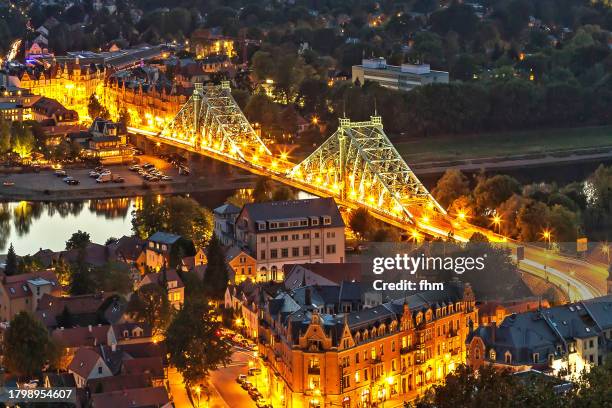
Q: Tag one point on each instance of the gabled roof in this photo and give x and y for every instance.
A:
(294, 209)
(82, 336)
(146, 365)
(84, 361)
(164, 238)
(227, 208)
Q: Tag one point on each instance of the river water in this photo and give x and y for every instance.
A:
(30, 226)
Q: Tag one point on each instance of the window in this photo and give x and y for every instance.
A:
(274, 253)
(306, 251)
(306, 235)
(100, 370)
(508, 357)
(326, 220)
(261, 226)
(330, 249)
(357, 358)
(314, 221)
(273, 238)
(284, 252)
(284, 237)
(295, 237)
(263, 239)
(346, 381)
(262, 254)
(536, 357)
(331, 234)
(295, 251)
(492, 354)
(316, 235)
(365, 374)
(317, 250)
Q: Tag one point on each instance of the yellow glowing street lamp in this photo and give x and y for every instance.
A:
(605, 249)
(496, 220)
(547, 235)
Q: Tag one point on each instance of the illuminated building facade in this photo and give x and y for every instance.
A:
(149, 105)
(562, 340)
(71, 84)
(360, 358)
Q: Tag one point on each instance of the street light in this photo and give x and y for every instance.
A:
(496, 220)
(605, 249)
(547, 235)
(198, 390)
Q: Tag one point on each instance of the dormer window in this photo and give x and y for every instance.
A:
(314, 221)
(261, 226)
(326, 220)
(492, 354)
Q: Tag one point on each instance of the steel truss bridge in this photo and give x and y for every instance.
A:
(357, 165)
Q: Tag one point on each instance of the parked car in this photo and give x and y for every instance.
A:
(60, 173)
(246, 385)
(241, 378)
(8, 183)
(73, 182)
(254, 370)
(135, 167)
(166, 178)
(263, 403)
(104, 178)
(255, 394)
(94, 174)
(119, 180)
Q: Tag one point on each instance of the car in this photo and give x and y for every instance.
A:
(135, 167)
(8, 183)
(119, 180)
(148, 166)
(255, 394)
(241, 378)
(94, 174)
(166, 178)
(362, 247)
(60, 173)
(263, 403)
(246, 385)
(349, 249)
(104, 178)
(73, 182)
(154, 179)
(254, 370)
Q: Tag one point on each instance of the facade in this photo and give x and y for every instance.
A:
(563, 340)
(71, 84)
(158, 248)
(243, 266)
(225, 219)
(402, 78)
(288, 232)
(22, 292)
(174, 285)
(392, 352)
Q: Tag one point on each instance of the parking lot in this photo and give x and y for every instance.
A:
(47, 180)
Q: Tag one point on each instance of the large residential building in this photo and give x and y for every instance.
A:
(318, 353)
(563, 340)
(288, 232)
(403, 78)
(108, 142)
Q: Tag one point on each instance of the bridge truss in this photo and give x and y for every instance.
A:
(358, 165)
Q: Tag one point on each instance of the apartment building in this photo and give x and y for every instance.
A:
(23, 292)
(562, 340)
(289, 232)
(389, 353)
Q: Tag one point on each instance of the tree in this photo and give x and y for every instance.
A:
(27, 346)
(216, 270)
(81, 280)
(112, 277)
(65, 319)
(531, 220)
(283, 193)
(491, 192)
(5, 136)
(451, 186)
(149, 218)
(78, 240)
(262, 190)
(95, 108)
(23, 141)
(11, 262)
(124, 117)
(193, 341)
(150, 304)
(363, 223)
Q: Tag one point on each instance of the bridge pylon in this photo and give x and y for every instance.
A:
(212, 120)
(360, 165)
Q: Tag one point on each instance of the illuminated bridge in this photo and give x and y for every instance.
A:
(359, 167)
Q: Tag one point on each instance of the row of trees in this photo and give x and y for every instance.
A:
(501, 203)
(493, 388)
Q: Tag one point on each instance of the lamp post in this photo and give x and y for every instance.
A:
(198, 391)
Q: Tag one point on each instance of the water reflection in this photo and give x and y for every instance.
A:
(34, 225)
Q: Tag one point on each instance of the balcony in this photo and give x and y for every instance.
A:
(406, 350)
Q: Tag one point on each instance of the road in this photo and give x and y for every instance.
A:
(230, 393)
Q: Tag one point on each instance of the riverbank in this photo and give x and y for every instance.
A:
(583, 155)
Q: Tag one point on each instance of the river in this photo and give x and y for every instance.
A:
(30, 226)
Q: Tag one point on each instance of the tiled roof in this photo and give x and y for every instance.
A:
(145, 365)
(16, 286)
(131, 398)
(84, 361)
(82, 336)
(164, 238)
